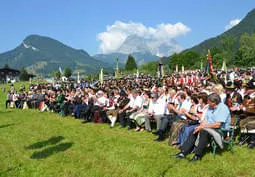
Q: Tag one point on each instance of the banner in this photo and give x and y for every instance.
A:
(209, 67)
(224, 66)
(101, 76)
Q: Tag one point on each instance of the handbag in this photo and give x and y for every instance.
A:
(191, 122)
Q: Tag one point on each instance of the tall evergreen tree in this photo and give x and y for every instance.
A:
(6, 66)
(131, 64)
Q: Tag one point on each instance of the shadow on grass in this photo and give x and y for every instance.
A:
(51, 141)
(50, 151)
(6, 125)
(6, 111)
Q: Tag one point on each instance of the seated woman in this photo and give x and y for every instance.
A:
(177, 120)
(218, 88)
(100, 102)
(196, 116)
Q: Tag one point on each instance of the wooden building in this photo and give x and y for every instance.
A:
(8, 74)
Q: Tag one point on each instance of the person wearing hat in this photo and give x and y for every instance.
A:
(247, 124)
(234, 99)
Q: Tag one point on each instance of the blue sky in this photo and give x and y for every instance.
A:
(82, 24)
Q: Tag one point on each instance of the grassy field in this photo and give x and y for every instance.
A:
(46, 144)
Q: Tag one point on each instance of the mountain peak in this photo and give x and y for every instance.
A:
(132, 44)
(137, 44)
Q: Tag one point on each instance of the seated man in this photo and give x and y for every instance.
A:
(156, 111)
(217, 116)
(178, 115)
(134, 105)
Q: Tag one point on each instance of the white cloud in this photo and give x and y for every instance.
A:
(232, 23)
(116, 34)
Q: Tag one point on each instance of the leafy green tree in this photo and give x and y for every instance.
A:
(228, 43)
(247, 48)
(90, 77)
(67, 72)
(189, 59)
(57, 74)
(6, 66)
(131, 64)
(217, 57)
(150, 67)
(23, 76)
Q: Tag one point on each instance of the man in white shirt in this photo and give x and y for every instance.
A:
(135, 104)
(178, 114)
(156, 111)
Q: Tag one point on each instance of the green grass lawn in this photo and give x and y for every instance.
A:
(46, 144)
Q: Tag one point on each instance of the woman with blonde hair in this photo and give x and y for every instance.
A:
(218, 88)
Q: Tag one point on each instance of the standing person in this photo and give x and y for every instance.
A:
(8, 99)
(217, 116)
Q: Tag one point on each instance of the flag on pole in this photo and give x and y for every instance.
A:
(101, 76)
(78, 77)
(60, 70)
(209, 67)
(117, 65)
(163, 71)
(201, 65)
(176, 68)
(224, 66)
(137, 73)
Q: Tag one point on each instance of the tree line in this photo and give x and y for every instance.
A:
(236, 53)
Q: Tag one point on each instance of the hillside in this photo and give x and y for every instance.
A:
(247, 25)
(43, 55)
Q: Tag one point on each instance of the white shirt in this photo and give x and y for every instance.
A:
(223, 97)
(162, 100)
(103, 101)
(138, 101)
(157, 108)
(186, 106)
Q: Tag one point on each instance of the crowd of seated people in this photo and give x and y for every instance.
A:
(177, 108)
